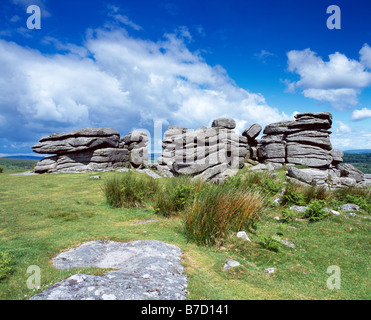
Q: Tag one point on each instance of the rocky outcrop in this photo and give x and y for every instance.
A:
(205, 152)
(304, 141)
(90, 149)
(336, 177)
(78, 140)
(95, 160)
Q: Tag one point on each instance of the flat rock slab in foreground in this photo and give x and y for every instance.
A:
(148, 270)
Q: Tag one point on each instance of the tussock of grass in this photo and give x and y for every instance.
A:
(129, 189)
(217, 211)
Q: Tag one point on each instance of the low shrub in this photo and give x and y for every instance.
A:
(215, 211)
(6, 265)
(303, 195)
(316, 210)
(271, 243)
(358, 196)
(288, 215)
(293, 195)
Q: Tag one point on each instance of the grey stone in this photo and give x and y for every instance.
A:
(300, 175)
(47, 165)
(272, 151)
(231, 264)
(78, 140)
(243, 235)
(349, 171)
(224, 123)
(252, 132)
(287, 243)
(86, 161)
(351, 214)
(311, 156)
(349, 207)
(138, 156)
(337, 156)
(299, 208)
(148, 270)
(259, 167)
(322, 115)
(270, 270)
(311, 137)
(211, 172)
(150, 173)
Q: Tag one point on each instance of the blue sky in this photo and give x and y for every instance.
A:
(129, 64)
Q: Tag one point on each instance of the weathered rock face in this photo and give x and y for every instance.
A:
(78, 140)
(252, 132)
(147, 270)
(224, 123)
(90, 149)
(136, 142)
(206, 152)
(304, 141)
(334, 178)
(96, 160)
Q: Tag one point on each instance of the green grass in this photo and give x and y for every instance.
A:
(43, 215)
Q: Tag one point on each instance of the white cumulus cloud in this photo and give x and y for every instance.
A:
(338, 80)
(362, 114)
(115, 80)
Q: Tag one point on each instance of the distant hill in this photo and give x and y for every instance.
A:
(361, 161)
(17, 164)
(24, 157)
(359, 151)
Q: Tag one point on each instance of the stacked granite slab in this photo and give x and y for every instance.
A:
(136, 143)
(89, 149)
(304, 141)
(207, 153)
(251, 134)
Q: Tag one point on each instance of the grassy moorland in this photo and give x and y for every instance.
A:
(42, 215)
(11, 165)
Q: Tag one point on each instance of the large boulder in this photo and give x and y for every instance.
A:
(252, 132)
(226, 123)
(78, 140)
(86, 161)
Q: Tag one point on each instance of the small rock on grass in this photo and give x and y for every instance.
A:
(287, 243)
(270, 270)
(299, 208)
(349, 207)
(351, 214)
(231, 264)
(243, 235)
